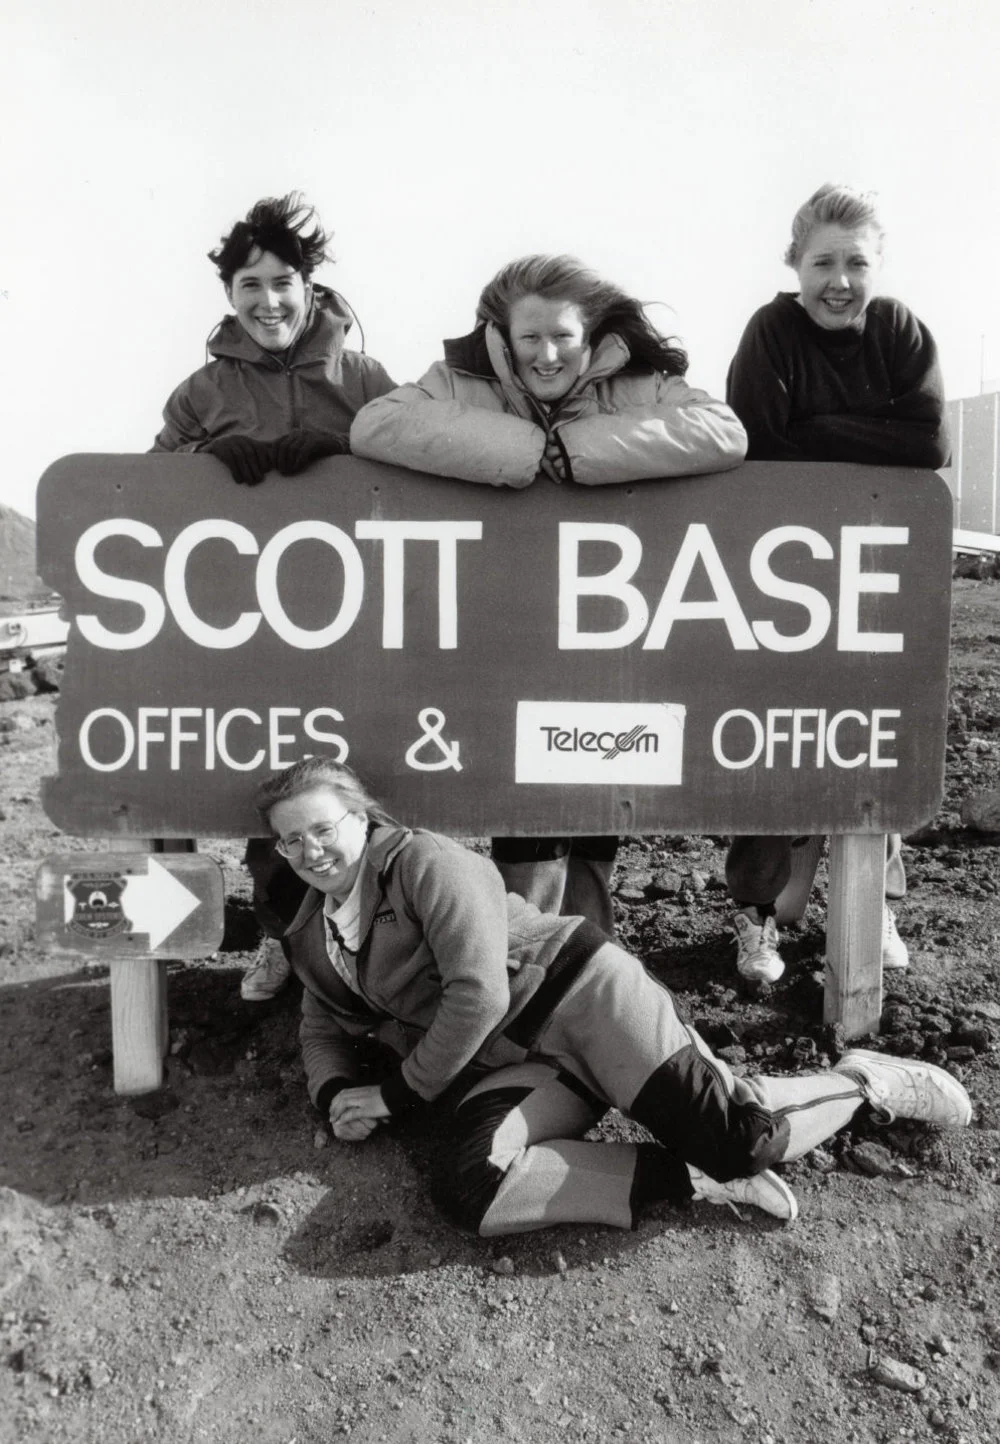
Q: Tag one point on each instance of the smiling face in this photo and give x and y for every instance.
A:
(271, 300)
(324, 841)
(837, 272)
(549, 342)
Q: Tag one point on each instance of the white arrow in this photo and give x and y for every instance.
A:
(157, 904)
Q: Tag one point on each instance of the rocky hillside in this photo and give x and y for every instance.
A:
(18, 580)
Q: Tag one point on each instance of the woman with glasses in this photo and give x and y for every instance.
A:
(408, 937)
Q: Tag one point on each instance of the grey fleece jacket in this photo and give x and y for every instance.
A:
(452, 969)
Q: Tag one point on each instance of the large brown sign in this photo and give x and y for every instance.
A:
(761, 650)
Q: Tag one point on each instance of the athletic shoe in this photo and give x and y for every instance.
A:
(906, 1088)
(762, 1190)
(757, 957)
(894, 952)
(267, 974)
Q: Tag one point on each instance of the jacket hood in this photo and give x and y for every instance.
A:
(485, 353)
(385, 842)
(330, 318)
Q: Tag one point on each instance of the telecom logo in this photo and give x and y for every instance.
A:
(600, 742)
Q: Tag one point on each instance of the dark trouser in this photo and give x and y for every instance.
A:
(277, 890)
(758, 869)
(566, 876)
(518, 1160)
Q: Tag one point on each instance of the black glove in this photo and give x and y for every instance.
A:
(299, 449)
(248, 460)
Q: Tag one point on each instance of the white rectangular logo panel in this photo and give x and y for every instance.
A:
(600, 742)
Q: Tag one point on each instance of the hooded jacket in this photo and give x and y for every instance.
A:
(244, 390)
(471, 417)
(452, 969)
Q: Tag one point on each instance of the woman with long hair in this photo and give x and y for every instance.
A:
(564, 377)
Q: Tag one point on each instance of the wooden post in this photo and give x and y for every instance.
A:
(140, 1027)
(138, 1022)
(853, 992)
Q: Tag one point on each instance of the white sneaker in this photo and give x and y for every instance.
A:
(894, 951)
(757, 946)
(267, 974)
(906, 1088)
(763, 1190)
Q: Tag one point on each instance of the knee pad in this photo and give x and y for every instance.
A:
(687, 1108)
(465, 1181)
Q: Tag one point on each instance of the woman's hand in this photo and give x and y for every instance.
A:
(355, 1132)
(356, 1112)
(299, 449)
(248, 461)
(553, 462)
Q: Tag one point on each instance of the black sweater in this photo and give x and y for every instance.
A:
(873, 395)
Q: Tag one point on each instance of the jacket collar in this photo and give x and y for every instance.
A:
(385, 842)
(484, 352)
(328, 323)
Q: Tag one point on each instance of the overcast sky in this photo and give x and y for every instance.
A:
(665, 142)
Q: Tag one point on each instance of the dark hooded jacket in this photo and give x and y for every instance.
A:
(317, 385)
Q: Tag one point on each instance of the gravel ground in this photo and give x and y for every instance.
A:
(204, 1263)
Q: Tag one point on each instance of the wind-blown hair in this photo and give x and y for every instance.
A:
(316, 772)
(837, 206)
(605, 308)
(278, 226)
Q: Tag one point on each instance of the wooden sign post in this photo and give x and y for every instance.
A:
(132, 909)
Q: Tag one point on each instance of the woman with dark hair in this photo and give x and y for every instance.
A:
(408, 937)
(279, 393)
(563, 377)
(830, 373)
(281, 389)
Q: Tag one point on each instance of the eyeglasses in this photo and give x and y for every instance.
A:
(323, 836)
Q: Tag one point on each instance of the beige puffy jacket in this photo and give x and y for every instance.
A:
(470, 417)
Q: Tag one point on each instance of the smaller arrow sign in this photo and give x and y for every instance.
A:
(130, 904)
(158, 903)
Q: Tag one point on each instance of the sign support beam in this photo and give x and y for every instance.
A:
(140, 1029)
(856, 901)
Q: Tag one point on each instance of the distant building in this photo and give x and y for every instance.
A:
(974, 473)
